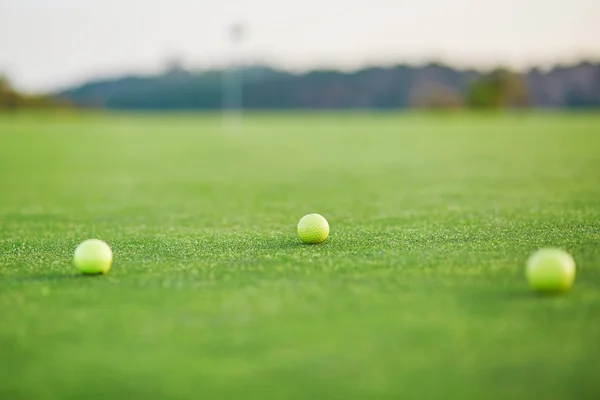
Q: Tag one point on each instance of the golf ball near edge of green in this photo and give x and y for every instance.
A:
(550, 270)
(93, 256)
(313, 229)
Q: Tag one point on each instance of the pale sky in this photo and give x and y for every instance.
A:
(49, 44)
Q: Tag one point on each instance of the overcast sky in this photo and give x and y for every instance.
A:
(48, 44)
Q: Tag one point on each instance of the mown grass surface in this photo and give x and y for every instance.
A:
(418, 292)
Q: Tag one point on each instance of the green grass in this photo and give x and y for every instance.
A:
(418, 292)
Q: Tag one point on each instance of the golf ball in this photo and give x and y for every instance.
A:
(93, 256)
(550, 270)
(313, 229)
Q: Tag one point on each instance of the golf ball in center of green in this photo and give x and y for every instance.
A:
(313, 229)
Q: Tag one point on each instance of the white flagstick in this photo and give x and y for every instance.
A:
(233, 85)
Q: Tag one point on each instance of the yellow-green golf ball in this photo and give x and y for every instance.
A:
(93, 256)
(550, 270)
(313, 229)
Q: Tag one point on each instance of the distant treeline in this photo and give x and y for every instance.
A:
(402, 86)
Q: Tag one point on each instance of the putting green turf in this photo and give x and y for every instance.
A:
(419, 291)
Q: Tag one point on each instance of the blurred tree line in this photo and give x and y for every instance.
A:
(432, 86)
(11, 99)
